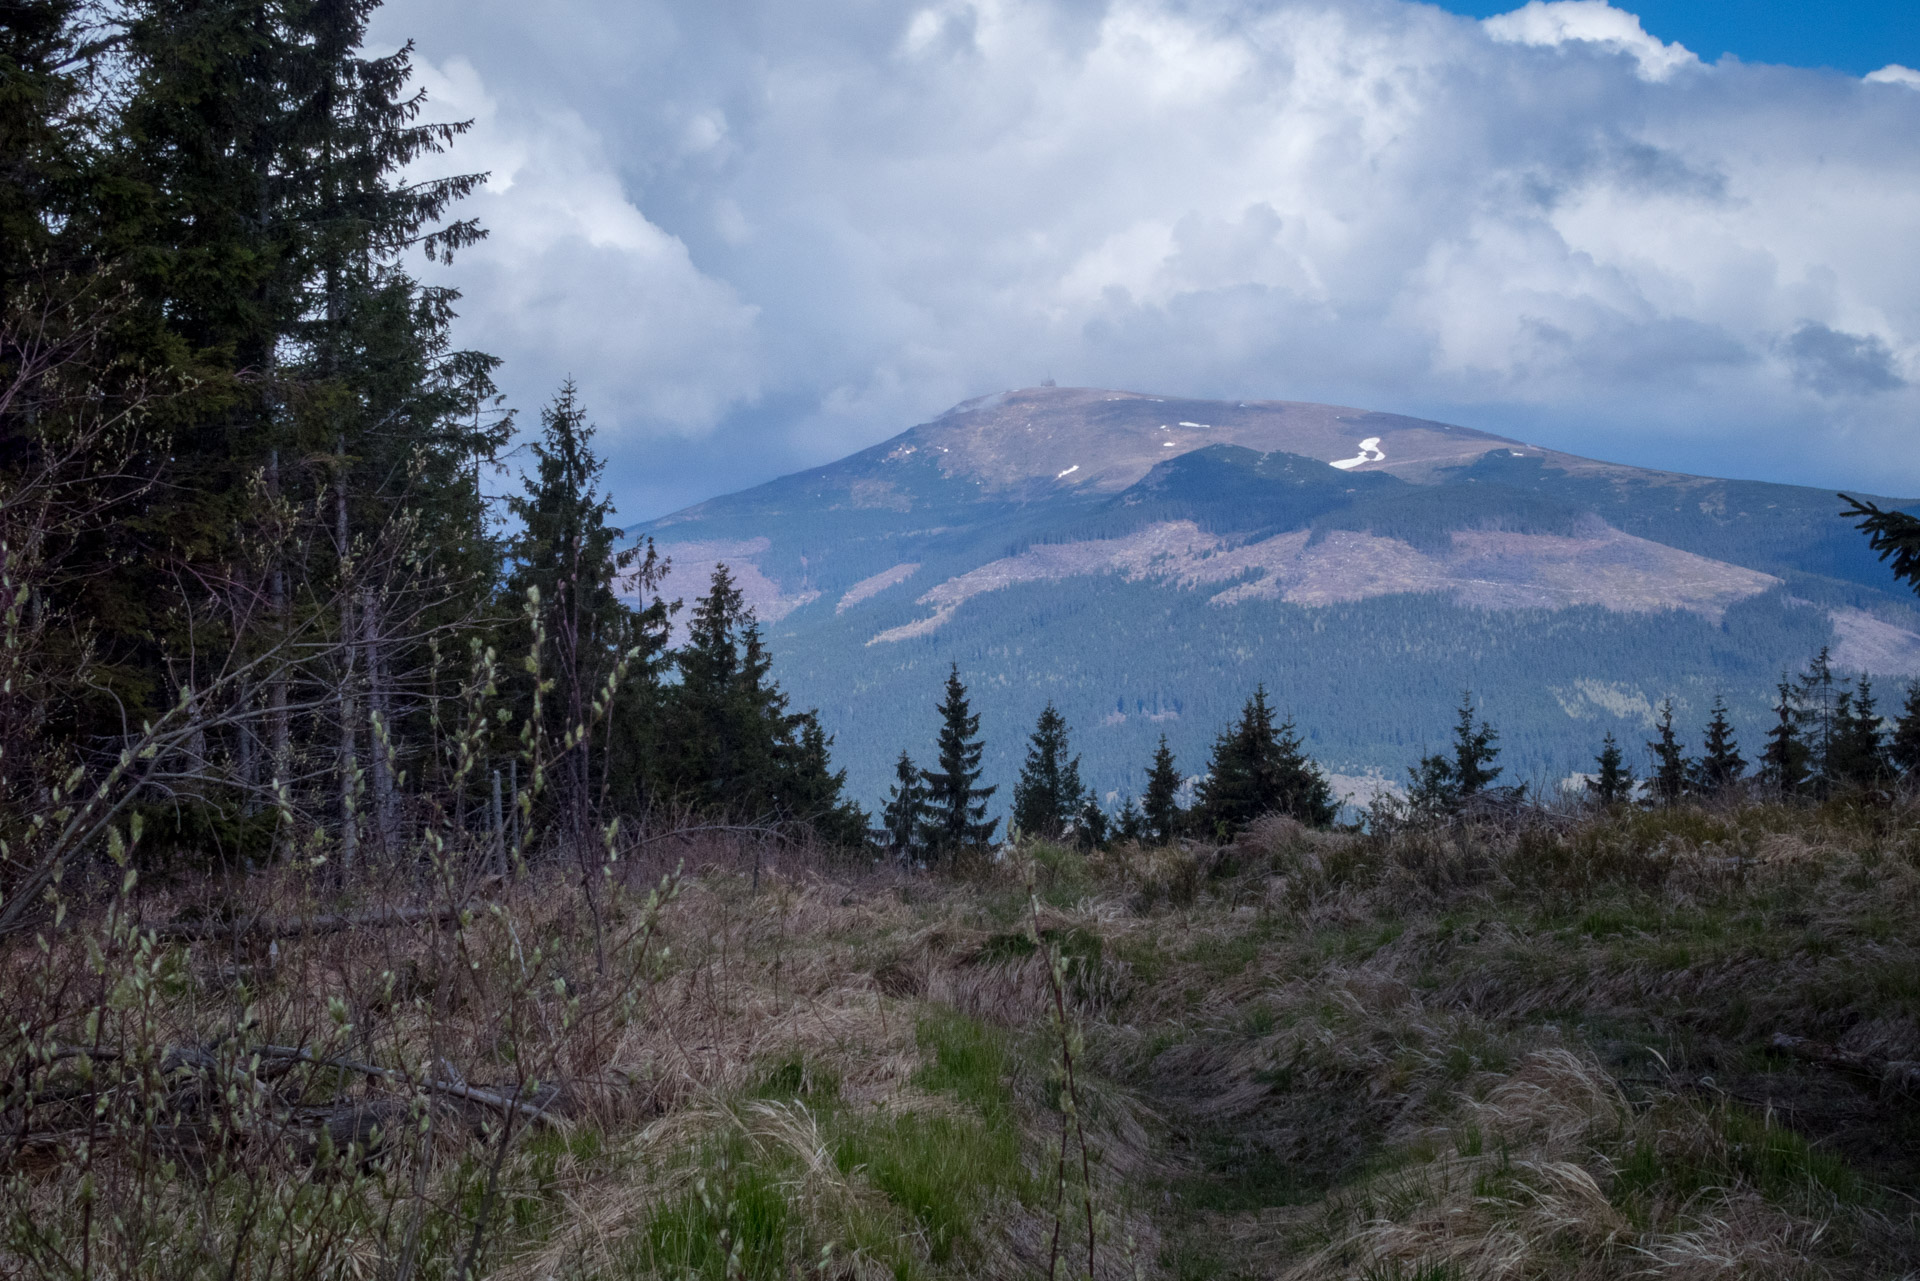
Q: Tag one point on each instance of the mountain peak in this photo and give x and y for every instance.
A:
(1101, 440)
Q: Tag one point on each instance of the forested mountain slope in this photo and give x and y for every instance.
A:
(1145, 561)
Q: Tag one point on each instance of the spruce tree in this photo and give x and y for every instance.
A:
(1903, 745)
(1818, 701)
(1090, 825)
(1161, 805)
(1048, 795)
(730, 745)
(956, 806)
(905, 810)
(1443, 783)
(1614, 781)
(1720, 764)
(1894, 535)
(811, 791)
(1668, 782)
(1259, 768)
(1475, 748)
(568, 551)
(1859, 751)
(1783, 762)
(1130, 822)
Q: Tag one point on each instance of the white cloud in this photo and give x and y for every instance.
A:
(799, 228)
(1555, 22)
(1895, 74)
(574, 280)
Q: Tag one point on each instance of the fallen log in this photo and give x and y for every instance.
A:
(1892, 1074)
(453, 1089)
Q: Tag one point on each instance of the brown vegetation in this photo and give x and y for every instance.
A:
(1672, 1043)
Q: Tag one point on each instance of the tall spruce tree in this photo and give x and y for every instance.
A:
(906, 808)
(1445, 783)
(1260, 768)
(569, 552)
(1160, 807)
(1859, 751)
(1130, 823)
(1783, 762)
(1818, 700)
(1048, 795)
(725, 717)
(322, 474)
(1720, 765)
(1903, 745)
(1668, 782)
(957, 819)
(1613, 782)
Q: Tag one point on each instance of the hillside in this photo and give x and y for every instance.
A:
(1145, 561)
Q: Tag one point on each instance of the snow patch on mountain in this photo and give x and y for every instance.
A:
(1370, 452)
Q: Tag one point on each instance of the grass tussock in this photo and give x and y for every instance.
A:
(1654, 1044)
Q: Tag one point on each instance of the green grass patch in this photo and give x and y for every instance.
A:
(730, 1225)
(1746, 1149)
(966, 1059)
(793, 1077)
(944, 1171)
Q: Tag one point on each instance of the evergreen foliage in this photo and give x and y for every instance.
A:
(956, 814)
(1671, 768)
(1818, 702)
(906, 808)
(1090, 826)
(1720, 765)
(1614, 781)
(1048, 795)
(267, 454)
(1160, 808)
(1784, 760)
(1447, 784)
(1130, 824)
(1259, 768)
(1859, 750)
(1903, 745)
(1893, 535)
(731, 746)
(568, 554)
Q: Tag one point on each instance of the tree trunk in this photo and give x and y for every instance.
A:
(349, 757)
(279, 722)
(380, 744)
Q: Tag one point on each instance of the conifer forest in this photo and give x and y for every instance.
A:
(404, 874)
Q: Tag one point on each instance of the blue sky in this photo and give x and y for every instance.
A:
(767, 233)
(1854, 36)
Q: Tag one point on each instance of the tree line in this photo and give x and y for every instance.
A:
(250, 575)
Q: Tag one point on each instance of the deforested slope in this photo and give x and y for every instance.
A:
(1145, 561)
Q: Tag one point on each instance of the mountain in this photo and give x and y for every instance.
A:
(1144, 561)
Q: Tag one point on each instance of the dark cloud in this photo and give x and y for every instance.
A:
(1834, 363)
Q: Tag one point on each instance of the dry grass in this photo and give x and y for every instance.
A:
(1534, 1052)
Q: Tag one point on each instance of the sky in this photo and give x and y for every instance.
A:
(761, 234)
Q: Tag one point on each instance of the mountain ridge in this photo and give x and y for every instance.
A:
(1274, 530)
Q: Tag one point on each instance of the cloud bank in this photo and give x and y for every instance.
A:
(763, 234)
